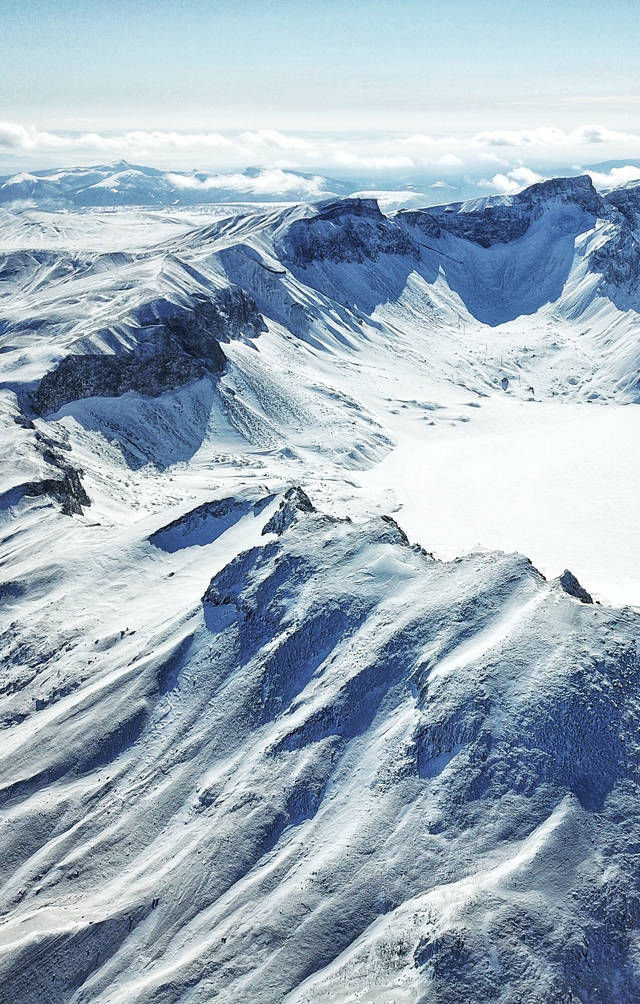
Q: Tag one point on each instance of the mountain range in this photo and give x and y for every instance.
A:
(124, 184)
(276, 725)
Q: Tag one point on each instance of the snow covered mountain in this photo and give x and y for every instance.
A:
(276, 724)
(124, 184)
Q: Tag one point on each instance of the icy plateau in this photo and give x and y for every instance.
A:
(320, 599)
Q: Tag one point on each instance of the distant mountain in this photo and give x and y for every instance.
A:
(125, 184)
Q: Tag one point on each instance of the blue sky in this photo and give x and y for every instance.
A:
(353, 73)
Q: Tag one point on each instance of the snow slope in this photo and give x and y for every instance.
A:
(258, 740)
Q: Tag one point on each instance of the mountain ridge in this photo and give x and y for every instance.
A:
(262, 738)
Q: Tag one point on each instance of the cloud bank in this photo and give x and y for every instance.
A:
(496, 160)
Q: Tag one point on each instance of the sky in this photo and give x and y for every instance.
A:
(376, 89)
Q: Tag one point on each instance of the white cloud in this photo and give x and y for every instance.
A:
(269, 137)
(389, 201)
(616, 176)
(267, 182)
(550, 136)
(387, 163)
(513, 181)
(450, 160)
(494, 154)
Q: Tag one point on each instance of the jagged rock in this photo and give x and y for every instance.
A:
(295, 501)
(351, 230)
(336, 209)
(627, 201)
(67, 490)
(23, 421)
(579, 191)
(571, 586)
(175, 346)
(399, 534)
(205, 523)
(77, 377)
(619, 259)
(495, 224)
(489, 223)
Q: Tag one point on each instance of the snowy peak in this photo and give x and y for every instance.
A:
(124, 184)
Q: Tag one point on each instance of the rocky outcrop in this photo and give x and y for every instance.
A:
(348, 230)
(63, 481)
(488, 223)
(295, 501)
(77, 377)
(174, 345)
(571, 586)
(67, 490)
(205, 523)
(626, 201)
(494, 224)
(619, 259)
(579, 191)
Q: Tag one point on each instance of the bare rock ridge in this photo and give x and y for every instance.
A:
(571, 585)
(349, 230)
(501, 220)
(175, 345)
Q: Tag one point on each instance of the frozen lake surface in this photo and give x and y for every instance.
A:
(557, 482)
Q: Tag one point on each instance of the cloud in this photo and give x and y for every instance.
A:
(15, 136)
(451, 160)
(616, 176)
(271, 138)
(387, 163)
(494, 154)
(267, 182)
(513, 181)
(550, 136)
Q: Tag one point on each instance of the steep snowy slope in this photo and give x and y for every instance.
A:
(256, 745)
(339, 766)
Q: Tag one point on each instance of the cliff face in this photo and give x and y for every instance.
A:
(488, 222)
(350, 230)
(173, 345)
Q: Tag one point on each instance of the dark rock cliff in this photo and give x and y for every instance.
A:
(174, 345)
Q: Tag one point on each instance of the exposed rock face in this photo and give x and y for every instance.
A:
(571, 586)
(579, 191)
(67, 490)
(487, 224)
(627, 201)
(205, 523)
(351, 230)
(64, 483)
(77, 377)
(491, 225)
(174, 346)
(337, 209)
(295, 501)
(619, 259)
